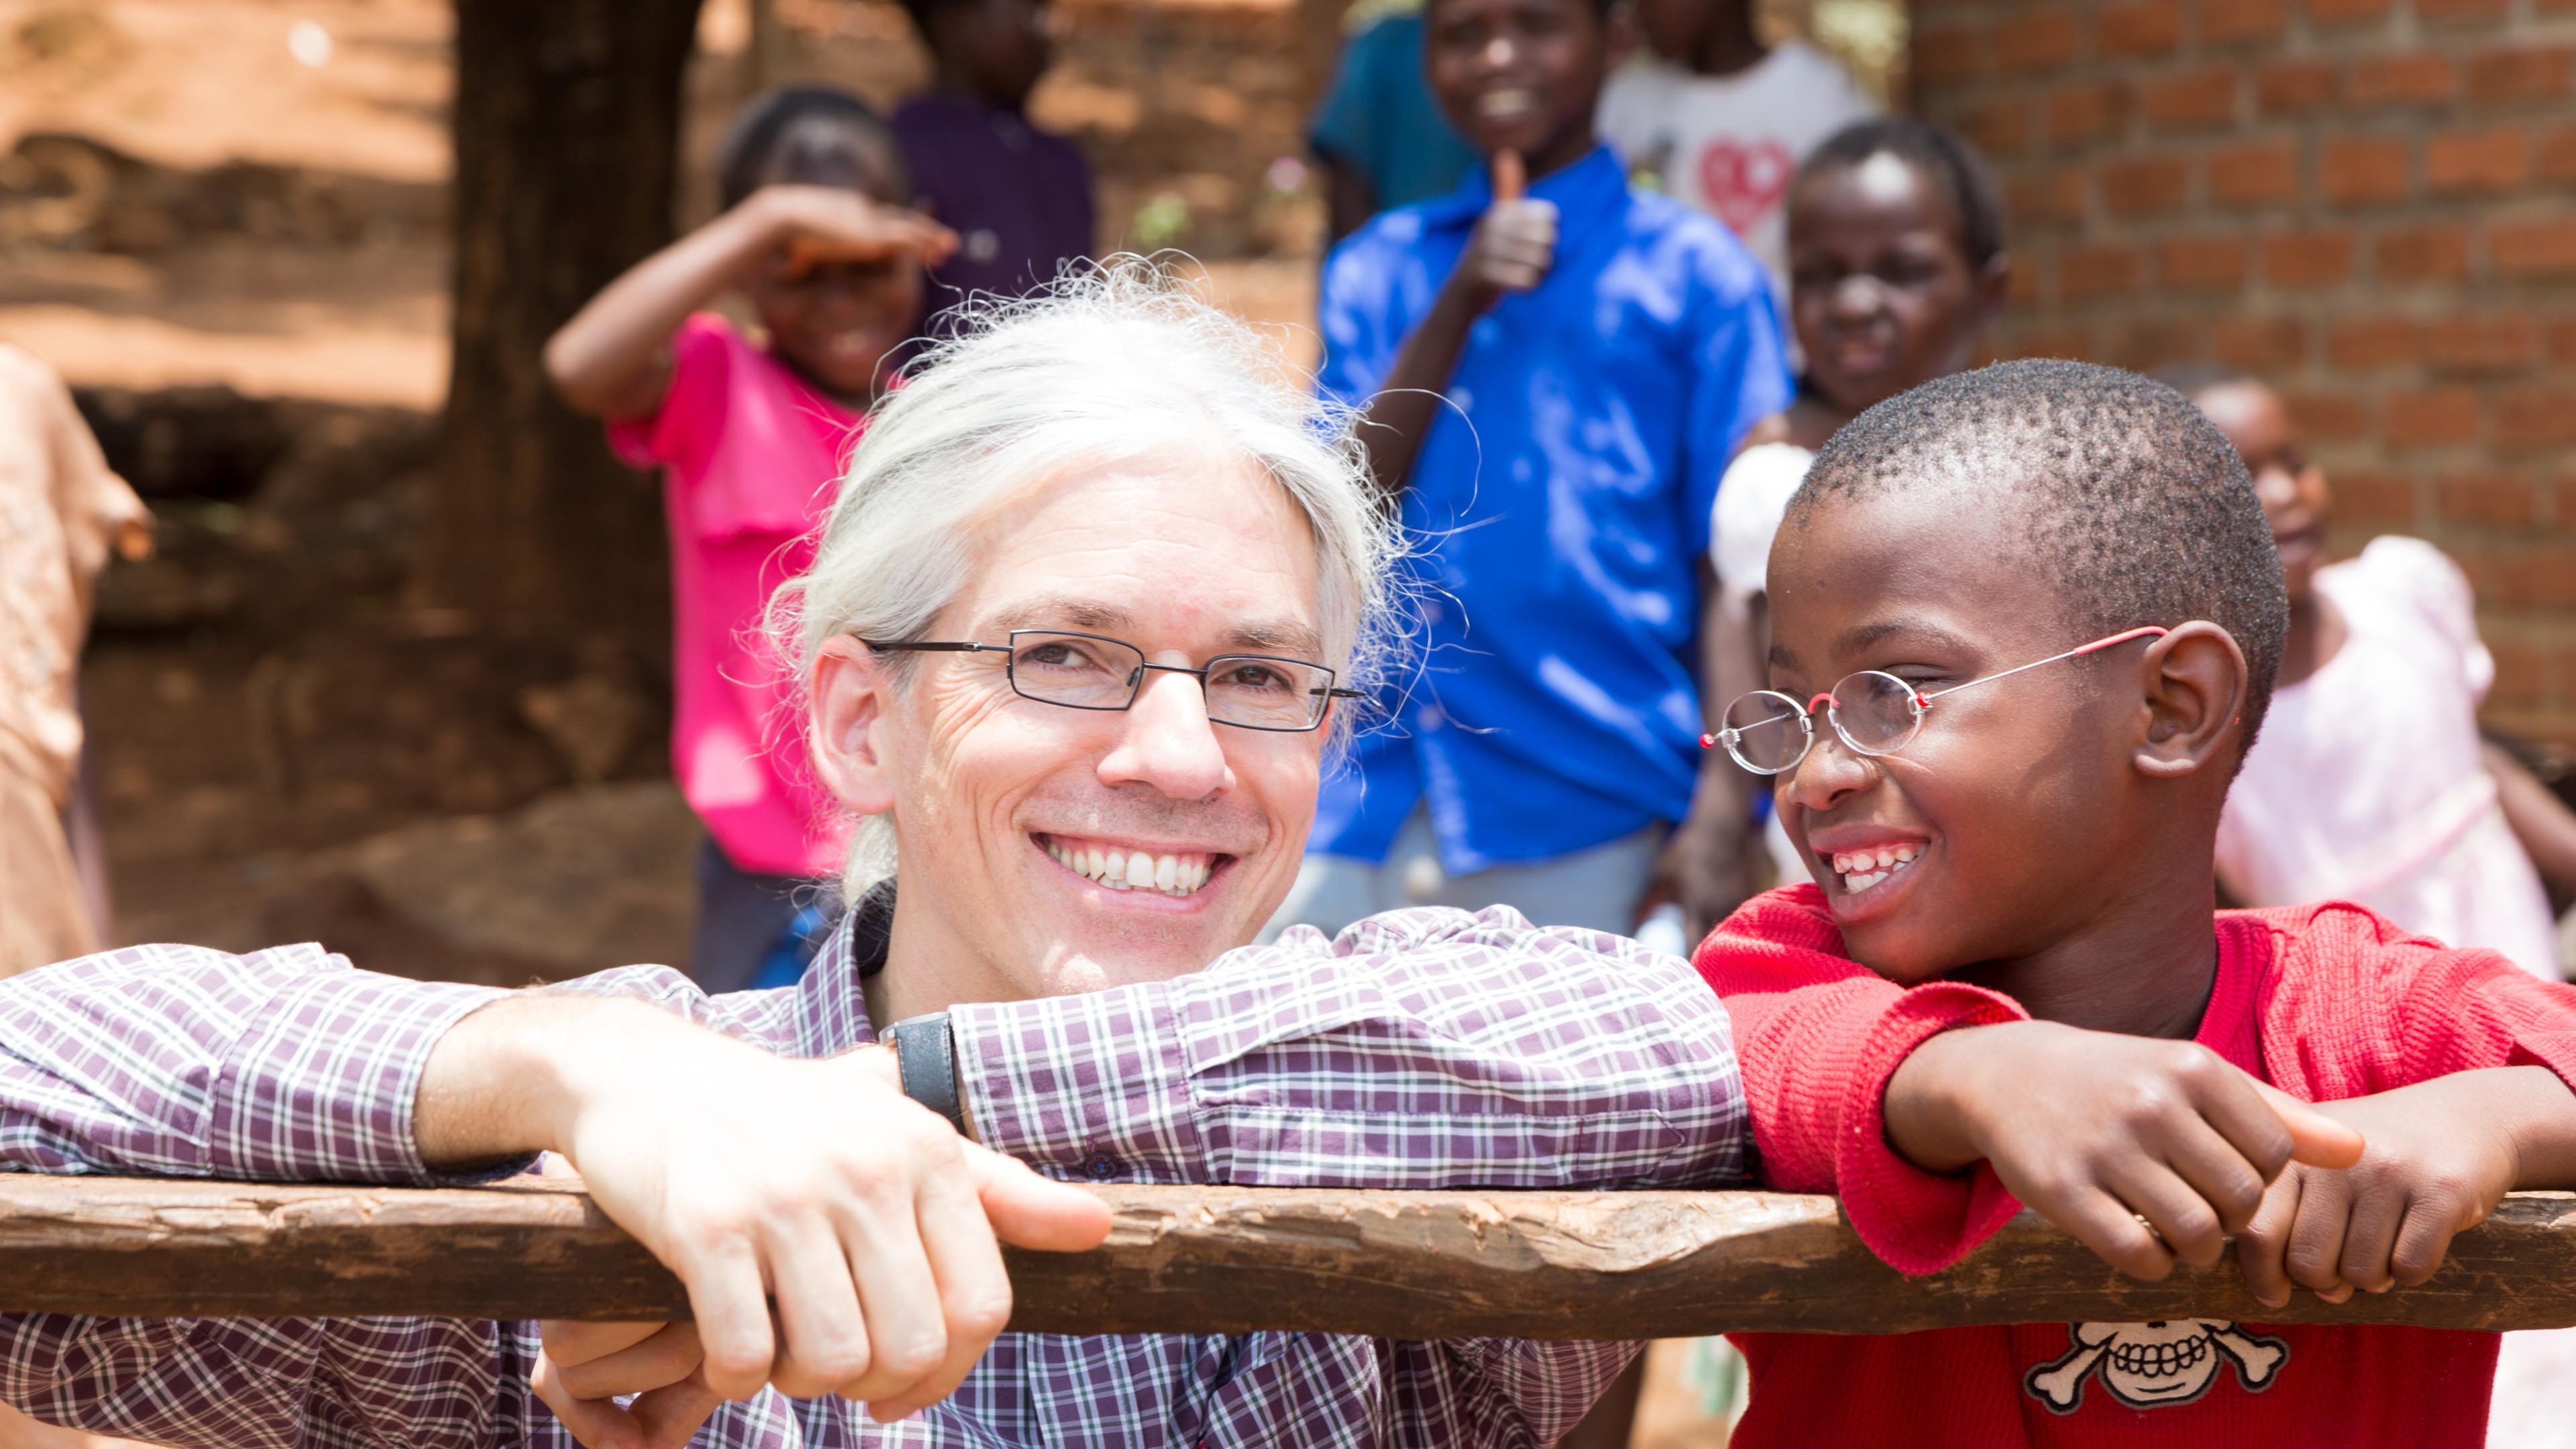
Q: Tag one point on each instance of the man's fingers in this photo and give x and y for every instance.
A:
(572, 1344)
(1511, 177)
(665, 1358)
(670, 1417)
(2315, 1138)
(826, 1341)
(731, 1307)
(1032, 1211)
(2261, 1243)
(596, 1423)
(974, 1289)
(906, 1336)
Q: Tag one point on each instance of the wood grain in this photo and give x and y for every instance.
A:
(1203, 1260)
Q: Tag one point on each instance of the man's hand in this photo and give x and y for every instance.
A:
(814, 226)
(1515, 243)
(2146, 1150)
(2442, 1154)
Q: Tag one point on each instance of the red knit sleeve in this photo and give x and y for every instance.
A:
(1817, 1035)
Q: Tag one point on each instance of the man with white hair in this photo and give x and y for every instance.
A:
(1073, 641)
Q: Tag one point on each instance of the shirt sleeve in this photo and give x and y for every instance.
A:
(1346, 121)
(2426, 578)
(1820, 1035)
(1419, 1049)
(1740, 375)
(681, 432)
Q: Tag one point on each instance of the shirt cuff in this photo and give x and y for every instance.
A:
(1092, 1087)
(1916, 1221)
(322, 1090)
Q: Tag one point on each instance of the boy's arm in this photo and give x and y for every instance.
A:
(611, 359)
(2540, 820)
(1511, 251)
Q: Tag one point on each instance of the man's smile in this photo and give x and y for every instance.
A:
(1128, 866)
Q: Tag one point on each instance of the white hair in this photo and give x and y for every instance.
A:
(1109, 365)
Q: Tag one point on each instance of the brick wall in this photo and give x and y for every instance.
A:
(2370, 202)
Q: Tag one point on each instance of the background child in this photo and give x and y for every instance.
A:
(1553, 382)
(1896, 247)
(2371, 783)
(1378, 136)
(2009, 982)
(1715, 117)
(1019, 198)
(750, 436)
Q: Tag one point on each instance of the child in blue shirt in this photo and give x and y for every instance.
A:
(1555, 372)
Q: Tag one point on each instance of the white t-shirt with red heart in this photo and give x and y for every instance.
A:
(1728, 145)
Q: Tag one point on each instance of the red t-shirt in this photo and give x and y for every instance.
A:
(2324, 1002)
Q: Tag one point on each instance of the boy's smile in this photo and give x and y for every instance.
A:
(1523, 75)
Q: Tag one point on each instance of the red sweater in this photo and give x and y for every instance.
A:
(2324, 1002)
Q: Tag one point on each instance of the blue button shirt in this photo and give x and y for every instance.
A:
(1561, 507)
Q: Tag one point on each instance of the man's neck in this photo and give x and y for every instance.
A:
(925, 970)
(2142, 967)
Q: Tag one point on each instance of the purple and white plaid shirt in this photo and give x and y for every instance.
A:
(1420, 1049)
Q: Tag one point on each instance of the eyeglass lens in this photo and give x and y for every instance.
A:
(1084, 672)
(1768, 731)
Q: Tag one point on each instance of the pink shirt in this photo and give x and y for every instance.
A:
(750, 456)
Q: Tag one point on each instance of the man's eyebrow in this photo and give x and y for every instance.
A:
(1063, 611)
(1277, 636)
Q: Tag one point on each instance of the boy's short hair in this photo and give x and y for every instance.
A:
(1942, 155)
(802, 134)
(2134, 503)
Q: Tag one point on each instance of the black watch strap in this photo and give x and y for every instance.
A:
(925, 1051)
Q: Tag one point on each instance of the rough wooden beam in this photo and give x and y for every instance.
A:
(1203, 1260)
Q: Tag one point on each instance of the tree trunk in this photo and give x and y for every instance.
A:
(567, 134)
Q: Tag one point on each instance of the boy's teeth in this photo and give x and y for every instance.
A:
(1121, 870)
(1861, 869)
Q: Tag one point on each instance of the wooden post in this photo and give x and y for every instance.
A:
(1205, 1260)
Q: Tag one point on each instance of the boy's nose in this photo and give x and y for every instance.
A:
(1831, 771)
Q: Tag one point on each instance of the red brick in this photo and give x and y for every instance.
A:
(2560, 342)
(1950, 54)
(2520, 74)
(2370, 496)
(2362, 343)
(2504, 342)
(2503, 500)
(2554, 155)
(2289, 87)
(2308, 259)
(2459, 12)
(2419, 79)
(2536, 417)
(2144, 27)
(2255, 173)
(2534, 248)
(2422, 254)
(2332, 417)
(2001, 127)
(2224, 22)
(2045, 195)
(2346, 12)
(2148, 345)
(2214, 262)
(2430, 418)
(2525, 578)
(2272, 345)
(2035, 40)
(2205, 97)
(2358, 171)
(2079, 113)
(2477, 162)
(2022, 284)
(2143, 185)
(2052, 342)
(2097, 270)
(2524, 674)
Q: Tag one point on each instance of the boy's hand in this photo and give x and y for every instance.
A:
(2442, 1154)
(818, 225)
(2146, 1150)
(1514, 244)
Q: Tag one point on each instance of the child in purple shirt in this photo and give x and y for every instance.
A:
(1019, 198)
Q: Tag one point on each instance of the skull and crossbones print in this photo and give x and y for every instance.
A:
(2148, 1365)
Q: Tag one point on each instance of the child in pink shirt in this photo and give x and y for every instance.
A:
(750, 433)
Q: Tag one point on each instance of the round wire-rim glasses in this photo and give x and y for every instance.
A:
(1093, 671)
(1872, 712)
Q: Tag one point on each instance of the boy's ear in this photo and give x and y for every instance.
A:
(1994, 288)
(846, 704)
(2194, 682)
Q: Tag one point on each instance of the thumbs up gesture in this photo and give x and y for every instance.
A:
(1514, 244)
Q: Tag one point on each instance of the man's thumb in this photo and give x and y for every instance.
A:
(1511, 178)
(2315, 1138)
(1033, 1211)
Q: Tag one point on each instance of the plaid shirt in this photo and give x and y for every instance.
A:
(1420, 1049)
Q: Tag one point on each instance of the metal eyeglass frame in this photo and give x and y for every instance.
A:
(1136, 681)
(1917, 700)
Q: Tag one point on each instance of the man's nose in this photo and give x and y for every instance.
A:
(1169, 741)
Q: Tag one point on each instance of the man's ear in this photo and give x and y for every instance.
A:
(2194, 681)
(846, 703)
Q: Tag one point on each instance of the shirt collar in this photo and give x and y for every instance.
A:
(831, 1007)
(1589, 188)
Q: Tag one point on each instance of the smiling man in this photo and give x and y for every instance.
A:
(1077, 640)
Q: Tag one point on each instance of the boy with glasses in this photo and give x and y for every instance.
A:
(2009, 984)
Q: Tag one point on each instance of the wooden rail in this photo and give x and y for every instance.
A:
(1203, 1260)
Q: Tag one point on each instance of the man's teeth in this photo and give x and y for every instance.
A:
(1861, 869)
(1134, 870)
